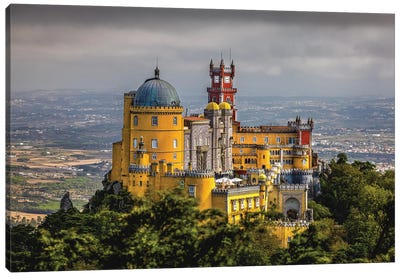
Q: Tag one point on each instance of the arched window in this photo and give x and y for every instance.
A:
(135, 120)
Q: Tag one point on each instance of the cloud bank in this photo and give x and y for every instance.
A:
(276, 53)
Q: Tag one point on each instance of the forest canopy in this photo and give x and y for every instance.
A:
(353, 223)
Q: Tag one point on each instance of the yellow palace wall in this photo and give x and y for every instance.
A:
(286, 233)
(168, 132)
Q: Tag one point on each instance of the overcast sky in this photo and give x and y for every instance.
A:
(276, 53)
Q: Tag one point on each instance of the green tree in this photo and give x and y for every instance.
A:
(69, 250)
(319, 210)
(370, 225)
(342, 158)
(323, 242)
(172, 223)
(363, 200)
(107, 199)
(340, 189)
(20, 244)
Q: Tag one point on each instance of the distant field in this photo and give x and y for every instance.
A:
(39, 177)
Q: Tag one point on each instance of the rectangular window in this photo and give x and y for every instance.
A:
(192, 190)
(154, 143)
(242, 139)
(174, 120)
(257, 202)
(291, 140)
(175, 143)
(134, 143)
(154, 156)
(175, 156)
(266, 140)
(254, 139)
(234, 205)
(140, 183)
(249, 203)
(241, 204)
(278, 140)
(154, 120)
(135, 120)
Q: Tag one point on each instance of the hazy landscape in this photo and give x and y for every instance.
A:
(61, 140)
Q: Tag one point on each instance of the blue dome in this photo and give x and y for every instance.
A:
(157, 93)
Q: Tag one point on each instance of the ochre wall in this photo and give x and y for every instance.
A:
(284, 233)
(165, 132)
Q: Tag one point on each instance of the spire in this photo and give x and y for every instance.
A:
(233, 69)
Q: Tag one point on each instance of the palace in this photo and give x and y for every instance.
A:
(211, 156)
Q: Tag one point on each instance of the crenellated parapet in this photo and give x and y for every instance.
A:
(300, 125)
(293, 187)
(157, 109)
(288, 224)
(266, 129)
(237, 190)
(134, 168)
(295, 171)
(191, 173)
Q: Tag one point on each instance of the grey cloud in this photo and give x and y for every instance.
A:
(103, 47)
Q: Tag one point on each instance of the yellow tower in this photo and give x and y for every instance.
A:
(152, 117)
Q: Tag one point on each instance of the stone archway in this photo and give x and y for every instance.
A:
(292, 208)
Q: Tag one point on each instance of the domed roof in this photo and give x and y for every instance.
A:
(224, 106)
(155, 92)
(212, 106)
(262, 177)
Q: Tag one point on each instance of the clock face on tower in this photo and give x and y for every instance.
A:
(216, 79)
(227, 79)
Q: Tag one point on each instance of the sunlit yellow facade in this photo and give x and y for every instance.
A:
(161, 149)
(264, 146)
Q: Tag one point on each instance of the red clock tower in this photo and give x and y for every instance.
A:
(222, 89)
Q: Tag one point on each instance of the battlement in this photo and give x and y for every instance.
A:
(288, 224)
(191, 173)
(295, 171)
(134, 168)
(266, 129)
(236, 190)
(131, 93)
(232, 90)
(155, 109)
(255, 170)
(298, 124)
(293, 187)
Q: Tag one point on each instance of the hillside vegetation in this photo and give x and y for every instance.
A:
(354, 222)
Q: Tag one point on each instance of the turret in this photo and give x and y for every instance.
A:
(221, 89)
